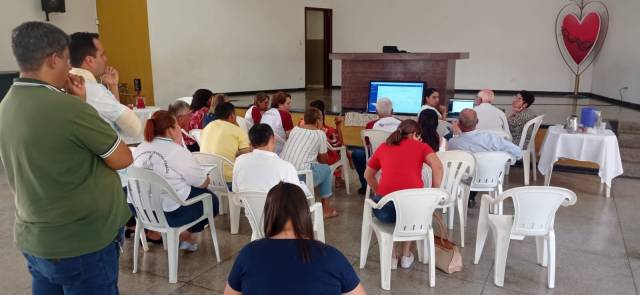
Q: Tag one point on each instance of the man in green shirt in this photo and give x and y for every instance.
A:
(60, 157)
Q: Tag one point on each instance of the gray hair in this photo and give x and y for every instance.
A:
(384, 106)
(468, 119)
(33, 41)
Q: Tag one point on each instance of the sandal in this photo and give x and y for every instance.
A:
(333, 213)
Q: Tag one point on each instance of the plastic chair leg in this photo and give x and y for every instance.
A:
(365, 240)
(482, 231)
(451, 212)
(214, 236)
(420, 249)
(164, 241)
(502, 239)
(541, 250)
(525, 166)
(318, 224)
(136, 246)
(385, 244)
(345, 174)
(552, 259)
(534, 171)
(432, 259)
(172, 239)
(463, 220)
(234, 218)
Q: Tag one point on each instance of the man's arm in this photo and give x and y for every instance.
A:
(120, 158)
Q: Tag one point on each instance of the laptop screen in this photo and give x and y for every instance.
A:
(457, 105)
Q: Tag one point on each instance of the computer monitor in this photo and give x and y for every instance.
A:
(405, 96)
(457, 105)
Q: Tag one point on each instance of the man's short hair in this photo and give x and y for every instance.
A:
(384, 106)
(32, 42)
(468, 119)
(81, 46)
(312, 116)
(224, 110)
(527, 97)
(260, 134)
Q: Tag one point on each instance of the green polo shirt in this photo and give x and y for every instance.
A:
(68, 202)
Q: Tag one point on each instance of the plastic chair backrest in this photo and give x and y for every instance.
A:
(186, 99)
(195, 133)
(372, 139)
(146, 191)
(414, 208)
(253, 203)
(490, 168)
(455, 164)
(535, 207)
(218, 184)
(530, 137)
(243, 123)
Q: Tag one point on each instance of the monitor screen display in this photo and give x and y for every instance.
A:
(457, 105)
(405, 96)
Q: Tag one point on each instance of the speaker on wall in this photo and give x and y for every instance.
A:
(49, 6)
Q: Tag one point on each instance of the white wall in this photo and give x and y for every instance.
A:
(226, 45)
(511, 43)
(618, 65)
(80, 16)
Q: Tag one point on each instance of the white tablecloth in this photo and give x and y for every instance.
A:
(143, 115)
(601, 148)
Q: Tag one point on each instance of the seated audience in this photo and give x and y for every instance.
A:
(334, 135)
(259, 106)
(472, 140)
(489, 116)
(290, 252)
(223, 137)
(400, 159)
(385, 122)
(262, 169)
(520, 114)
(279, 118)
(181, 111)
(200, 107)
(428, 121)
(307, 149)
(211, 116)
(162, 152)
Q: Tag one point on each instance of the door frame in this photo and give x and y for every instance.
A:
(328, 44)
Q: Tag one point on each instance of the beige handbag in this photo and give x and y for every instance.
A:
(448, 257)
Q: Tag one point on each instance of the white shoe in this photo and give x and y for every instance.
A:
(394, 263)
(406, 262)
(188, 246)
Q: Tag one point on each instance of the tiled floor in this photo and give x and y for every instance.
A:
(598, 251)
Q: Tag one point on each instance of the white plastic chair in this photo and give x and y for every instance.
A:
(371, 140)
(195, 134)
(243, 123)
(342, 163)
(219, 186)
(489, 174)
(456, 165)
(253, 204)
(529, 152)
(414, 209)
(535, 211)
(147, 190)
(186, 99)
(308, 180)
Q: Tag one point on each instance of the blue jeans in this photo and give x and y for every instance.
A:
(187, 214)
(93, 273)
(387, 213)
(321, 178)
(360, 163)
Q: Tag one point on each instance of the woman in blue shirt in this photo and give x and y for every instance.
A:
(314, 268)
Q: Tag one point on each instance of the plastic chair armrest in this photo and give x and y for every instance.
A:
(195, 199)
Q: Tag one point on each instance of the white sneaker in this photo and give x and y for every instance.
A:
(406, 262)
(188, 246)
(394, 263)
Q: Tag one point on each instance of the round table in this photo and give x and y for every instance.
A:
(601, 148)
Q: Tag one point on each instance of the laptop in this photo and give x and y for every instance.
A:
(457, 105)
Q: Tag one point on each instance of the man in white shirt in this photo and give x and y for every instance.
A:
(262, 169)
(89, 61)
(489, 116)
(385, 121)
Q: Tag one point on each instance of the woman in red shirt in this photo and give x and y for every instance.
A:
(400, 158)
(199, 107)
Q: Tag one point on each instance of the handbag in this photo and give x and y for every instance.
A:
(447, 255)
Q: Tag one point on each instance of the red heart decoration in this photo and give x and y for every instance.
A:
(579, 36)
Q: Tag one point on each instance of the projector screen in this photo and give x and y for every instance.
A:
(405, 96)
